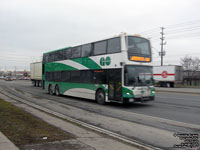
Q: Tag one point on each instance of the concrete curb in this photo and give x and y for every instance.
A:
(6, 144)
(166, 91)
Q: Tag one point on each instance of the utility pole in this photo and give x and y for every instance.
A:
(162, 52)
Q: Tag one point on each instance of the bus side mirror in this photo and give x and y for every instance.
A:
(122, 63)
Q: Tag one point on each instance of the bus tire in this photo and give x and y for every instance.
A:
(100, 97)
(34, 82)
(38, 83)
(57, 90)
(50, 90)
(172, 84)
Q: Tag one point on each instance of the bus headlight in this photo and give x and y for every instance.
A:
(127, 93)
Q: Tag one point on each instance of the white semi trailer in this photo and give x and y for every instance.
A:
(168, 76)
(36, 73)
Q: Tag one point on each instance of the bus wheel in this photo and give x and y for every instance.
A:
(51, 90)
(38, 83)
(34, 83)
(100, 97)
(57, 90)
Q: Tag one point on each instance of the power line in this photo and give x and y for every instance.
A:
(184, 35)
(178, 36)
(184, 54)
(183, 30)
(183, 24)
(155, 49)
(152, 32)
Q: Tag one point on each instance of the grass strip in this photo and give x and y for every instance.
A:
(22, 128)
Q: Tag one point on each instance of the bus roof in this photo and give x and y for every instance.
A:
(57, 50)
(121, 34)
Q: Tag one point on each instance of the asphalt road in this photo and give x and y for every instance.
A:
(149, 123)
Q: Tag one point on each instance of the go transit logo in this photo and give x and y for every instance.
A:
(105, 61)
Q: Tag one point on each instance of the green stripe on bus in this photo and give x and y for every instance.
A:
(87, 62)
(101, 86)
(67, 86)
(57, 50)
(64, 86)
(58, 67)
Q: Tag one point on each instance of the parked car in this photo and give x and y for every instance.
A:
(14, 78)
(8, 79)
(2, 77)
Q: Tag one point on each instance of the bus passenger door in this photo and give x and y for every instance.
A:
(114, 85)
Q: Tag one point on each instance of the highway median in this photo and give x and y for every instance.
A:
(22, 128)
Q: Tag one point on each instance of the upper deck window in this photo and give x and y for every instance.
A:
(51, 57)
(67, 53)
(138, 46)
(100, 48)
(86, 50)
(114, 46)
(45, 58)
(58, 55)
(76, 52)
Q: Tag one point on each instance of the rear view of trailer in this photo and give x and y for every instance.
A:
(168, 76)
(36, 73)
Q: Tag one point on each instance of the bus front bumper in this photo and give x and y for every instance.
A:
(141, 99)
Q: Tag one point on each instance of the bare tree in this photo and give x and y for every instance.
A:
(187, 63)
(196, 64)
(190, 65)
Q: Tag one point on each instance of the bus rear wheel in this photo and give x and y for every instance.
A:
(51, 90)
(100, 97)
(57, 90)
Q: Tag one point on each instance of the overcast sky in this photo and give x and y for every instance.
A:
(28, 28)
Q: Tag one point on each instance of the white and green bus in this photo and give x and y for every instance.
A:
(117, 69)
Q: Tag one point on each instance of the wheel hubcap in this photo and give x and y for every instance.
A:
(57, 91)
(100, 97)
(51, 90)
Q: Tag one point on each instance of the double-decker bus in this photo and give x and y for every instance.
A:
(117, 69)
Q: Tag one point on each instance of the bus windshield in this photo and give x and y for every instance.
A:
(138, 76)
(138, 46)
